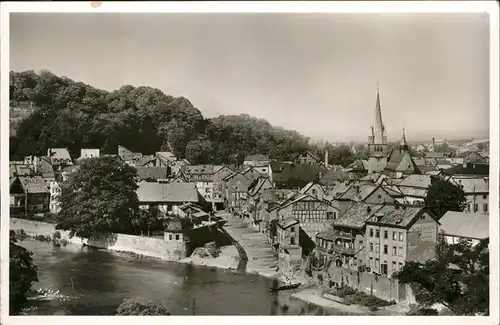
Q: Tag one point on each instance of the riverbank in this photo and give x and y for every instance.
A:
(314, 295)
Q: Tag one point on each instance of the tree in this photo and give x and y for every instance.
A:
(22, 274)
(132, 307)
(458, 278)
(443, 196)
(99, 197)
(199, 151)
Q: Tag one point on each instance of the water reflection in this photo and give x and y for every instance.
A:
(102, 279)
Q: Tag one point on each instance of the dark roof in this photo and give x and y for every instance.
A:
(470, 169)
(401, 161)
(356, 215)
(285, 172)
(397, 216)
(152, 172)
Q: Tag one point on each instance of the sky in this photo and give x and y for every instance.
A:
(314, 73)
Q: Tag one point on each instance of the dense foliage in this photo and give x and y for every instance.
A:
(22, 274)
(132, 307)
(100, 196)
(443, 196)
(458, 278)
(143, 119)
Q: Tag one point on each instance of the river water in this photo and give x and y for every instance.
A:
(99, 280)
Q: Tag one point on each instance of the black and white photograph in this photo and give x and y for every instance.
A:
(248, 164)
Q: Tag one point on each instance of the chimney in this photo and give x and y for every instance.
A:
(434, 144)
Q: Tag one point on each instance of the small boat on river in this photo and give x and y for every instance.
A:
(285, 287)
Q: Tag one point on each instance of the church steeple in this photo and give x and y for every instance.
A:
(379, 135)
(403, 146)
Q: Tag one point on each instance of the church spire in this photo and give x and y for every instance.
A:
(404, 144)
(378, 127)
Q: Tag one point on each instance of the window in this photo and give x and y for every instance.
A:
(394, 236)
(484, 196)
(394, 251)
(394, 266)
(385, 249)
(475, 207)
(334, 215)
(370, 262)
(379, 196)
(377, 234)
(177, 237)
(371, 232)
(422, 217)
(371, 247)
(314, 191)
(485, 207)
(292, 229)
(329, 215)
(386, 234)
(360, 243)
(377, 248)
(400, 251)
(400, 236)
(170, 236)
(292, 240)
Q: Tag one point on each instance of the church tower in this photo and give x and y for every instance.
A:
(377, 142)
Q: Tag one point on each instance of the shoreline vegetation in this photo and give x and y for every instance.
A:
(227, 259)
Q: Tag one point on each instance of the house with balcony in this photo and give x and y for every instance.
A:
(342, 243)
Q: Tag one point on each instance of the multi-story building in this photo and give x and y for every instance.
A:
(392, 232)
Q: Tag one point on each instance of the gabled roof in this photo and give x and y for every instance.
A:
(301, 197)
(20, 170)
(469, 225)
(32, 184)
(396, 216)
(260, 182)
(152, 172)
(308, 153)
(309, 186)
(401, 161)
(166, 155)
(171, 192)
(356, 215)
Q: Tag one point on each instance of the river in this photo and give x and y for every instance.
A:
(99, 280)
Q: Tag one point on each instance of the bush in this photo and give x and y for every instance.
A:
(132, 307)
(423, 312)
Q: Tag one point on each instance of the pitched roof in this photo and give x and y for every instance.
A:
(398, 216)
(401, 161)
(20, 170)
(469, 225)
(422, 181)
(174, 225)
(310, 154)
(152, 172)
(166, 155)
(34, 184)
(287, 223)
(260, 182)
(328, 233)
(171, 192)
(44, 167)
(58, 153)
(472, 184)
(356, 215)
